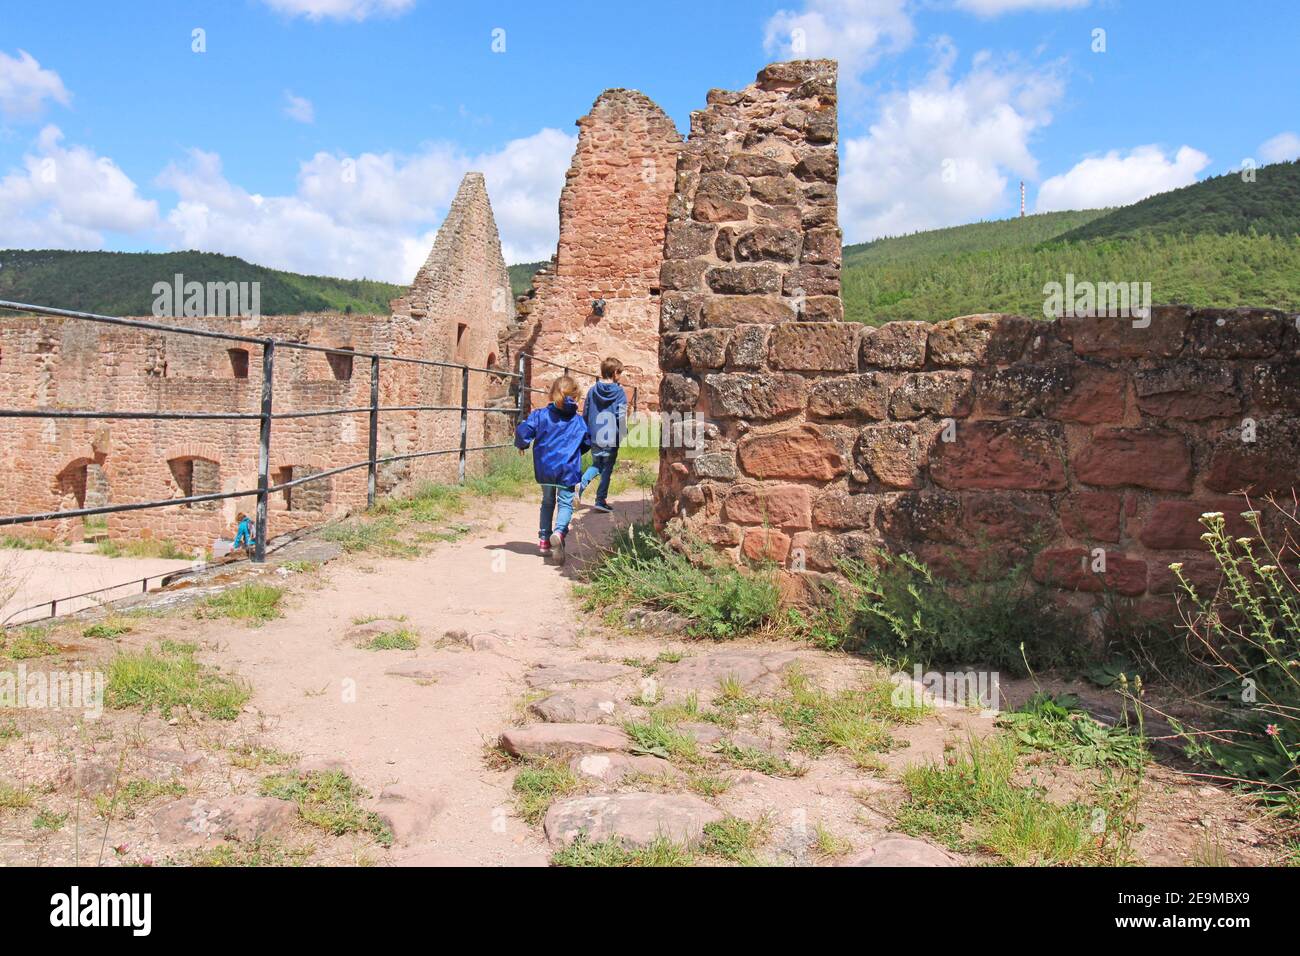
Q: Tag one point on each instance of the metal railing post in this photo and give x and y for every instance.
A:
(464, 418)
(374, 431)
(264, 449)
(635, 391)
(519, 396)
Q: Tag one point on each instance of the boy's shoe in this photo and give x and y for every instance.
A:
(557, 545)
(602, 506)
(543, 546)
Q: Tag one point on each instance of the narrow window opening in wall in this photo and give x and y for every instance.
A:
(196, 476)
(491, 360)
(341, 362)
(82, 484)
(461, 343)
(654, 290)
(309, 496)
(238, 362)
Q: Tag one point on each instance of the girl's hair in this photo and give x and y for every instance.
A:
(562, 388)
(241, 516)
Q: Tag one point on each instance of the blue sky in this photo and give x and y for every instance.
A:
(329, 135)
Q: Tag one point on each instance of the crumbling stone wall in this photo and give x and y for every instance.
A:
(454, 312)
(612, 214)
(751, 282)
(1093, 443)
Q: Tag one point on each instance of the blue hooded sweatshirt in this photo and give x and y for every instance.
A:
(558, 437)
(606, 414)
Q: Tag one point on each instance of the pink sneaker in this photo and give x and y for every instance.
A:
(543, 546)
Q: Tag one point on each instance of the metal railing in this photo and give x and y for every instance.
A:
(266, 415)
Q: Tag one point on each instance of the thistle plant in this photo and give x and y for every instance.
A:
(1249, 629)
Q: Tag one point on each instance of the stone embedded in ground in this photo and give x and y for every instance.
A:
(417, 670)
(364, 633)
(613, 767)
(634, 819)
(196, 821)
(181, 760)
(902, 851)
(324, 765)
(755, 671)
(481, 641)
(702, 732)
(577, 706)
(95, 776)
(575, 672)
(660, 621)
(407, 811)
(554, 740)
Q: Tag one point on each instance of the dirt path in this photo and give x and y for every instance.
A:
(324, 697)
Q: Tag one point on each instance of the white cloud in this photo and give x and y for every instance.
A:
(25, 86)
(855, 32)
(298, 108)
(357, 10)
(942, 153)
(373, 215)
(67, 197)
(1281, 148)
(1117, 180)
(994, 8)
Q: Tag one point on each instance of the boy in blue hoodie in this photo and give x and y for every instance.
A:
(606, 414)
(558, 435)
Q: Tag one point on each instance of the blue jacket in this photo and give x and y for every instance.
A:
(606, 412)
(558, 437)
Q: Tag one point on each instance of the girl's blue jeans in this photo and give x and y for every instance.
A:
(602, 464)
(550, 495)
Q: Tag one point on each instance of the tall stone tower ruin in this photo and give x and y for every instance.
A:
(613, 210)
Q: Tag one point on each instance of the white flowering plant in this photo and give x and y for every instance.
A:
(1249, 629)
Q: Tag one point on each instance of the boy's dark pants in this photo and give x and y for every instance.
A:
(602, 463)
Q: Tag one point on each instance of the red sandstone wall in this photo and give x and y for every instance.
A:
(50, 363)
(612, 214)
(977, 436)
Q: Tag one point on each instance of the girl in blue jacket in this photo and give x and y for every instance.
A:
(559, 436)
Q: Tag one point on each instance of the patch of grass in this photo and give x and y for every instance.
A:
(971, 802)
(256, 853)
(379, 535)
(659, 737)
(301, 567)
(14, 798)
(402, 639)
(328, 800)
(760, 761)
(855, 721)
(253, 602)
(897, 607)
(49, 820)
(251, 757)
(132, 794)
(611, 852)
(708, 784)
(717, 598)
(828, 843)
(27, 544)
(113, 626)
(27, 642)
(9, 731)
(144, 548)
(735, 839)
(536, 786)
(170, 679)
(1058, 726)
